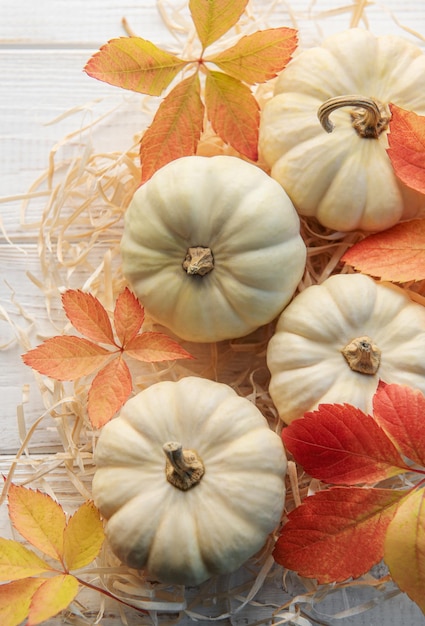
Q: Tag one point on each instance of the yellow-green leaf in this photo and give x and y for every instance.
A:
(17, 562)
(404, 550)
(258, 57)
(15, 599)
(175, 129)
(83, 536)
(213, 18)
(136, 64)
(38, 518)
(53, 596)
(233, 112)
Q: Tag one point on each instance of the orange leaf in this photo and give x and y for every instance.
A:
(176, 127)
(54, 595)
(404, 549)
(15, 599)
(213, 18)
(400, 411)
(38, 518)
(258, 57)
(340, 444)
(136, 64)
(108, 392)
(66, 358)
(396, 254)
(234, 113)
(129, 316)
(318, 539)
(88, 316)
(406, 150)
(153, 346)
(17, 562)
(83, 536)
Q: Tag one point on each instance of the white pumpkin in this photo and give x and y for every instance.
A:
(189, 514)
(211, 246)
(344, 177)
(336, 340)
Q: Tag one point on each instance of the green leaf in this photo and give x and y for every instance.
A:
(258, 57)
(233, 112)
(175, 129)
(213, 18)
(136, 64)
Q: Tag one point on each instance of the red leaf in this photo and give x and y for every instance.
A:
(396, 254)
(340, 444)
(129, 316)
(66, 358)
(153, 346)
(400, 411)
(406, 150)
(88, 316)
(136, 64)
(176, 127)
(233, 112)
(258, 57)
(108, 392)
(319, 537)
(213, 18)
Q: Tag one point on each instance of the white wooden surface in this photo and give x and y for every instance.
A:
(44, 96)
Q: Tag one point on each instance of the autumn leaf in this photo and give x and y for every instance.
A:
(71, 357)
(259, 57)
(38, 518)
(213, 18)
(136, 64)
(110, 388)
(340, 444)
(83, 536)
(176, 128)
(317, 540)
(406, 150)
(17, 561)
(400, 410)
(88, 316)
(15, 600)
(404, 548)
(54, 595)
(66, 357)
(233, 112)
(396, 254)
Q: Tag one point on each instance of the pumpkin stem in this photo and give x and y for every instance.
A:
(198, 260)
(184, 469)
(362, 355)
(369, 117)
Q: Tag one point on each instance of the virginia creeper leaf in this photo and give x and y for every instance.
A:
(396, 254)
(318, 539)
(88, 316)
(54, 595)
(38, 518)
(109, 390)
(404, 548)
(213, 18)
(15, 599)
(233, 112)
(153, 346)
(175, 129)
(83, 536)
(17, 562)
(400, 411)
(258, 57)
(66, 357)
(340, 444)
(136, 64)
(406, 150)
(128, 316)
